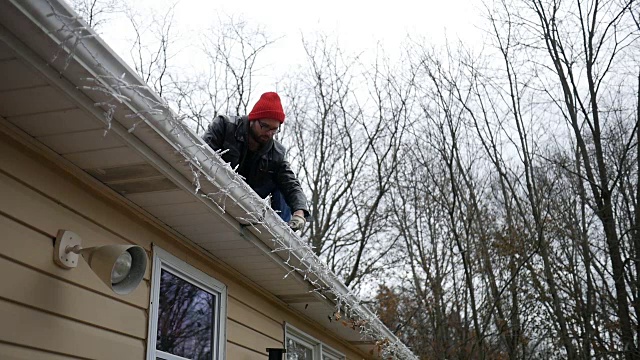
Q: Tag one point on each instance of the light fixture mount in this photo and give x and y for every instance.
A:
(65, 241)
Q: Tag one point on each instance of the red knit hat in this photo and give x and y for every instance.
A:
(268, 107)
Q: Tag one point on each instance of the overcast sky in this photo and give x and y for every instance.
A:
(357, 24)
(353, 20)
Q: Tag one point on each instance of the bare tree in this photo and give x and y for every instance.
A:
(347, 154)
(152, 48)
(232, 49)
(584, 42)
(97, 13)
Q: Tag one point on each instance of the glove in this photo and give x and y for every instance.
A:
(297, 222)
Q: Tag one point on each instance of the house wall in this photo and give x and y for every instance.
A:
(47, 312)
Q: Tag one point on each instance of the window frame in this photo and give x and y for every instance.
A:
(333, 354)
(163, 260)
(319, 348)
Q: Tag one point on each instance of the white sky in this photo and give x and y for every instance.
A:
(357, 24)
(352, 19)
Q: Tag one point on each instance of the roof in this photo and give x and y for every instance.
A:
(94, 111)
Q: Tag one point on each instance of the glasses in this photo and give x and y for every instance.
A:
(266, 128)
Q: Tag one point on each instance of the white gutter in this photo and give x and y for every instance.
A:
(91, 49)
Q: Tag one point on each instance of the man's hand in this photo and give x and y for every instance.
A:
(297, 222)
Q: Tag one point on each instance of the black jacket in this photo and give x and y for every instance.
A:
(269, 171)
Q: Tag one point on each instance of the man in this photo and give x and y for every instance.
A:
(259, 158)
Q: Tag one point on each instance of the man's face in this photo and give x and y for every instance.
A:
(263, 130)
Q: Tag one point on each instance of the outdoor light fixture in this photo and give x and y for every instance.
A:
(121, 267)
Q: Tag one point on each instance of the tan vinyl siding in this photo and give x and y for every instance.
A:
(237, 352)
(50, 313)
(245, 335)
(13, 352)
(42, 292)
(242, 313)
(50, 331)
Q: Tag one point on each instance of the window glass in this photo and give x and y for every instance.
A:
(187, 317)
(298, 351)
(301, 346)
(186, 314)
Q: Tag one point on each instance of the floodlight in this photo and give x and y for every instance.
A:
(121, 267)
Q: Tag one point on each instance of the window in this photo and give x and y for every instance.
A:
(188, 312)
(301, 346)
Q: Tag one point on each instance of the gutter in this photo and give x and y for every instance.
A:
(86, 52)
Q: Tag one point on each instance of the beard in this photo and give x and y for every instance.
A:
(260, 139)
